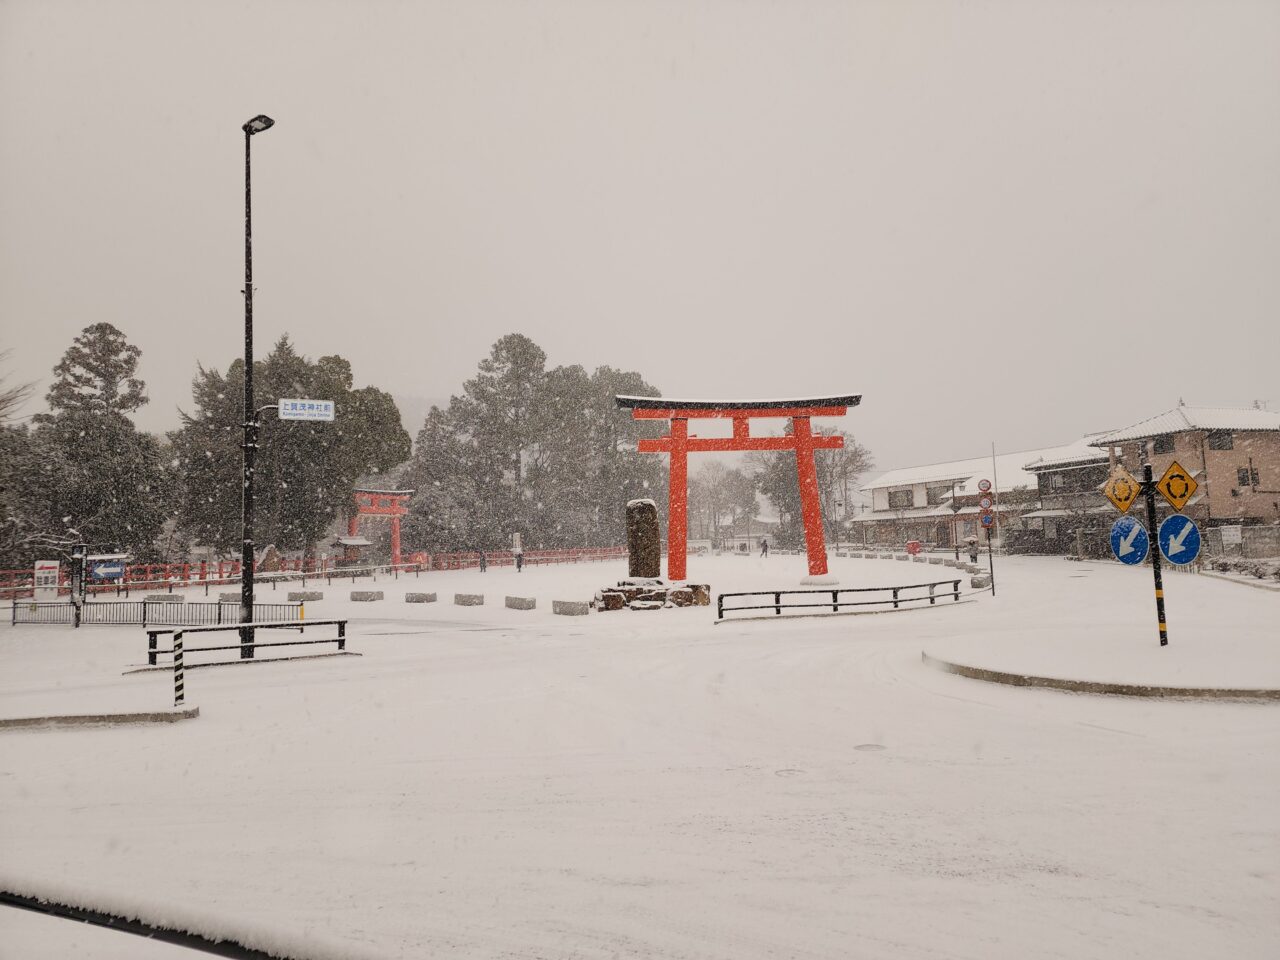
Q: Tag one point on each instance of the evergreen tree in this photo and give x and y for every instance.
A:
(544, 453)
(305, 471)
(96, 374)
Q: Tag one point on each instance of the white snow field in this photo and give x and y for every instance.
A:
(486, 783)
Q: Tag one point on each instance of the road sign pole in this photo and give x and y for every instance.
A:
(991, 564)
(1149, 491)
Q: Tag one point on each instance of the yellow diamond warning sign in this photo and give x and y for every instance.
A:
(1177, 486)
(1122, 489)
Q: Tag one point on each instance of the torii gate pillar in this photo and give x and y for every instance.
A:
(678, 443)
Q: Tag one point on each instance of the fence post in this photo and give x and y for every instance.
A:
(177, 670)
(719, 606)
(895, 598)
(151, 649)
(342, 634)
(931, 586)
(777, 604)
(955, 590)
(835, 601)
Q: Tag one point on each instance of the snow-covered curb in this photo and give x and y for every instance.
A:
(1094, 686)
(100, 719)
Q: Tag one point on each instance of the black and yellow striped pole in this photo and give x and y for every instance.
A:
(177, 669)
(1149, 491)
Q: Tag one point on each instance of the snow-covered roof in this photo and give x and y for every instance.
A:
(1008, 473)
(1182, 419)
(1077, 454)
(668, 403)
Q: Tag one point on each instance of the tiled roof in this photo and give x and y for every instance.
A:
(1182, 419)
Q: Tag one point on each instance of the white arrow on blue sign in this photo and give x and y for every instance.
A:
(1129, 541)
(1179, 539)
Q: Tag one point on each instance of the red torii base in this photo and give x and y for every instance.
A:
(381, 503)
(679, 444)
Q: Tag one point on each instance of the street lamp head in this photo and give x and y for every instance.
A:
(257, 124)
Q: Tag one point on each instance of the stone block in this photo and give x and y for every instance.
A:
(233, 597)
(611, 600)
(570, 608)
(366, 596)
(646, 605)
(419, 598)
(468, 599)
(903, 557)
(681, 596)
(521, 603)
(937, 561)
(169, 598)
(979, 583)
(701, 594)
(304, 595)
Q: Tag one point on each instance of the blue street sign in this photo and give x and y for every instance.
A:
(988, 519)
(1179, 539)
(1129, 541)
(106, 569)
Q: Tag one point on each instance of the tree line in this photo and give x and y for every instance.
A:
(523, 448)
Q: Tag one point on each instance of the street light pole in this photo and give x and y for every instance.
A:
(247, 552)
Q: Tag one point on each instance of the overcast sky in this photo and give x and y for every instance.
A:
(1011, 222)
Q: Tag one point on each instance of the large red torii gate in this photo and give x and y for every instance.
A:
(381, 503)
(679, 444)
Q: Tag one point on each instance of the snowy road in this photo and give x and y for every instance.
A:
(645, 785)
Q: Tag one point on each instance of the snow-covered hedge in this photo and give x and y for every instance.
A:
(1262, 569)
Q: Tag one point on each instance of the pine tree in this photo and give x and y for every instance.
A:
(96, 374)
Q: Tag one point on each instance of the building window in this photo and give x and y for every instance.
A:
(1220, 440)
(1162, 444)
(1246, 476)
(900, 499)
(937, 494)
(1057, 481)
(1050, 529)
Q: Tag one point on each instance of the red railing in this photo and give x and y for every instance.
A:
(17, 584)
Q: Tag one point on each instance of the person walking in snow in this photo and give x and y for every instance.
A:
(764, 548)
(973, 551)
(519, 560)
(484, 562)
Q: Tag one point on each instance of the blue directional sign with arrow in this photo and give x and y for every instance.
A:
(1179, 539)
(1129, 541)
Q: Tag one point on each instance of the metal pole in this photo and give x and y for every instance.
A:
(991, 566)
(1149, 490)
(250, 433)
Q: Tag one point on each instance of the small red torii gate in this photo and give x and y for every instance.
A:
(679, 444)
(381, 503)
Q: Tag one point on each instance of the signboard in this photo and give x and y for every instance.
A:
(1177, 486)
(987, 520)
(1232, 536)
(984, 485)
(1129, 541)
(1179, 539)
(306, 410)
(46, 580)
(985, 503)
(1122, 489)
(106, 568)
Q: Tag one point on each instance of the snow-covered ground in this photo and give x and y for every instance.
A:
(485, 782)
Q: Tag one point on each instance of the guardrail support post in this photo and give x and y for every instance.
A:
(177, 669)
(777, 604)
(931, 586)
(342, 634)
(835, 601)
(151, 649)
(895, 598)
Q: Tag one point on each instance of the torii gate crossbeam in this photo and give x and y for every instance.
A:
(679, 444)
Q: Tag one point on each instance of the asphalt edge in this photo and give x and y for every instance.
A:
(100, 719)
(1093, 686)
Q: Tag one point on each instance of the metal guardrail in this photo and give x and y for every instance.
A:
(153, 648)
(143, 612)
(896, 597)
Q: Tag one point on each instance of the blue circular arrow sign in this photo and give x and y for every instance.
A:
(1129, 541)
(1179, 539)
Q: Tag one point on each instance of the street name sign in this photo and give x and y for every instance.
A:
(1122, 489)
(298, 409)
(1179, 539)
(1177, 486)
(1129, 541)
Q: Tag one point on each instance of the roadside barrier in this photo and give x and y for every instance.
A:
(143, 612)
(896, 597)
